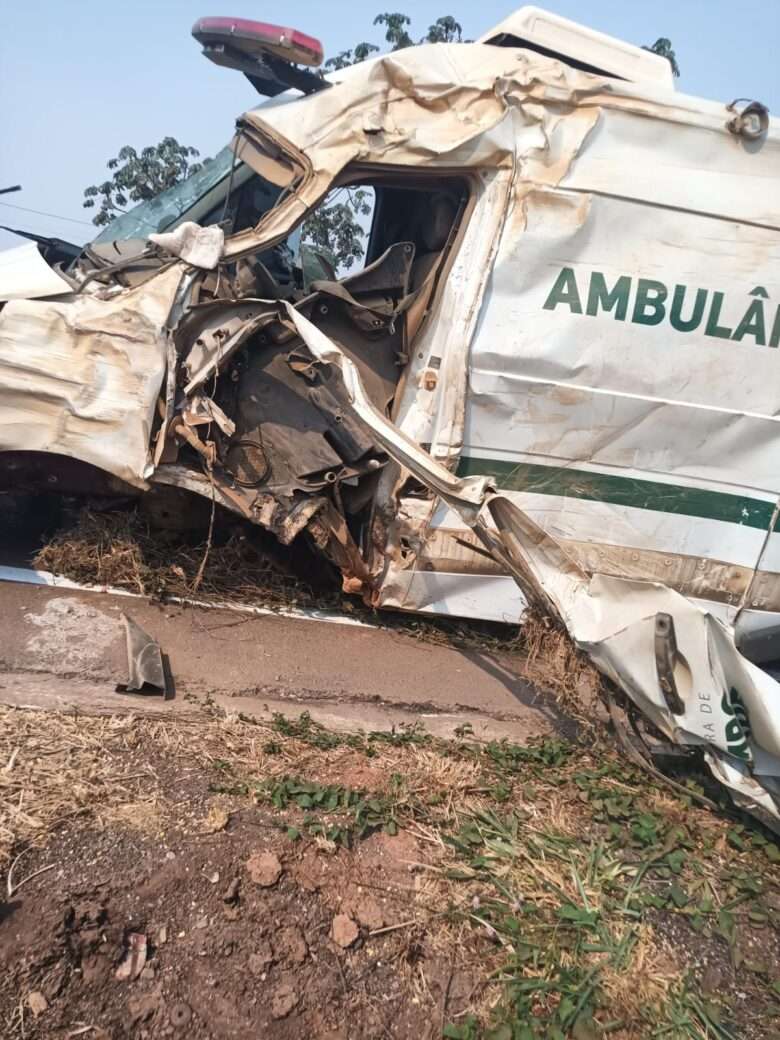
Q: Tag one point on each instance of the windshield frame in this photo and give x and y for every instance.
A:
(247, 155)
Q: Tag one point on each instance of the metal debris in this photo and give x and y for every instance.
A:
(144, 659)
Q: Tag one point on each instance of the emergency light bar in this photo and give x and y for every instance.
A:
(270, 56)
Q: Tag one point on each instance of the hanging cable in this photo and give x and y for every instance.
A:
(42, 213)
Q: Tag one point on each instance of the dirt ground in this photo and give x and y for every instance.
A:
(246, 932)
(230, 951)
(216, 877)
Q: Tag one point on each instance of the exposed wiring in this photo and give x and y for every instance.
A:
(42, 213)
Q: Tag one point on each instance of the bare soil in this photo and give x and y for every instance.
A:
(231, 951)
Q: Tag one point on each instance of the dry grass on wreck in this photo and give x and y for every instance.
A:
(496, 884)
(121, 549)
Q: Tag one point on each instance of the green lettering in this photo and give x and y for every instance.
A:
(713, 329)
(600, 296)
(734, 734)
(564, 291)
(752, 324)
(774, 339)
(737, 729)
(649, 305)
(675, 316)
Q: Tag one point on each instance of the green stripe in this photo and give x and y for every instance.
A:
(622, 491)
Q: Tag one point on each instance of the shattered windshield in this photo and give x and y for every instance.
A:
(171, 205)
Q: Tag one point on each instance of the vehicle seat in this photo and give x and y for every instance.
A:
(432, 235)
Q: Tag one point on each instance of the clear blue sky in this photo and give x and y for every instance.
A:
(79, 80)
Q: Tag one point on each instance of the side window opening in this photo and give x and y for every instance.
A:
(357, 223)
(382, 240)
(335, 236)
(427, 219)
(373, 302)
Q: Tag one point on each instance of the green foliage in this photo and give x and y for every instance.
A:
(444, 30)
(139, 176)
(469, 1030)
(561, 912)
(334, 812)
(353, 57)
(663, 46)
(313, 733)
(514, 758)
(335, 228)
(396, 33)
(303, 728)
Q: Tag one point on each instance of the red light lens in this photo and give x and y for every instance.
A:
(255, 37)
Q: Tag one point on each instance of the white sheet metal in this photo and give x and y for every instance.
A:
(552, 33)
(437, 105)
(25, 275)
(622, 385)
(80, 376)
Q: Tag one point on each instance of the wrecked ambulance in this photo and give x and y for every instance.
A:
(553, 379)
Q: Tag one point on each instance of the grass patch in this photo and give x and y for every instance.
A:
(121, 549)
(574, 875)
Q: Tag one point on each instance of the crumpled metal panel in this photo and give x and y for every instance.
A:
(442, 104)
(144, 659)
(80, 375)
